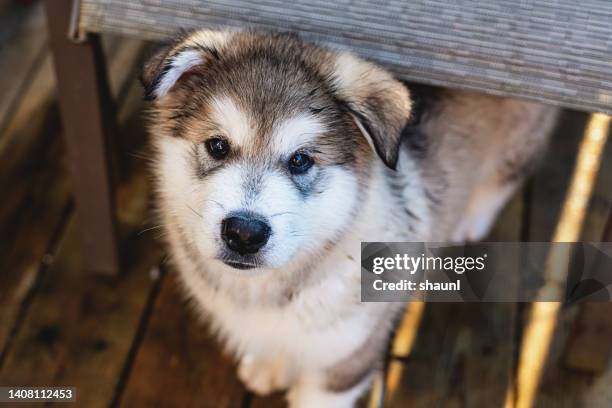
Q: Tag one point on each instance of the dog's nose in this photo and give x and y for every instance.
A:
(244, 233)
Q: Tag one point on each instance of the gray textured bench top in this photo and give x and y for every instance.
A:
(557, 52)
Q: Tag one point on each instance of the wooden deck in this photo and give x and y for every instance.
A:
(131, 341)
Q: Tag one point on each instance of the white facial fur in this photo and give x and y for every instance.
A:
(300, 224)
(235, 124)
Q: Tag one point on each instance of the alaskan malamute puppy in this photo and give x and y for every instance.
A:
(275, 158)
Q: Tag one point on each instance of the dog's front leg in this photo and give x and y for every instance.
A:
(340, 383)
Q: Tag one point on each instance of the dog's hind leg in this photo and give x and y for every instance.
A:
(514, 154)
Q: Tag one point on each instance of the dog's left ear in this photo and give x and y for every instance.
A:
(379, 104)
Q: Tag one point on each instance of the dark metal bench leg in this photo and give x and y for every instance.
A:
(86, 114)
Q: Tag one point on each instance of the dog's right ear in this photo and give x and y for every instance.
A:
(165, 68)
(152, 71)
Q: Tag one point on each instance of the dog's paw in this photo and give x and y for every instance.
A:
(263, 376)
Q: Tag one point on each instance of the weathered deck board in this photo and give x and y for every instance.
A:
(22, 49)
(590, 342)
(178, 364)
(427, 373)
(31, 129)
(599, 393)
(466, 358)
(489, 359)
(41, 215)
(34, 213)
(78, 330)
(33, 153)
(562, 387)
(600, 207)
(30, 214)
(550, 182)
(34, 125)
(276, 400)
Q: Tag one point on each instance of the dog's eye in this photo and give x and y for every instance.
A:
(217, 147)
(300, 163)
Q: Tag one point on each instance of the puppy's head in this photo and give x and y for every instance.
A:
(265, 143)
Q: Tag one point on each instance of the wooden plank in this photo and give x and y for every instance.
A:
(550, 182)
(590, 345)
(427, 373)
(37, 101)
(599, 393)
(276, 400)
(11, 19)
(562, 387)
(600, 207)
(34, 125)
(33, 155)
(490, 357)
(30, 214)
(464, 355)
(486, 340)
(88, 123)
(33, 227)
(22, 48)
(40, 208)
(178, 364)
(79, 329)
